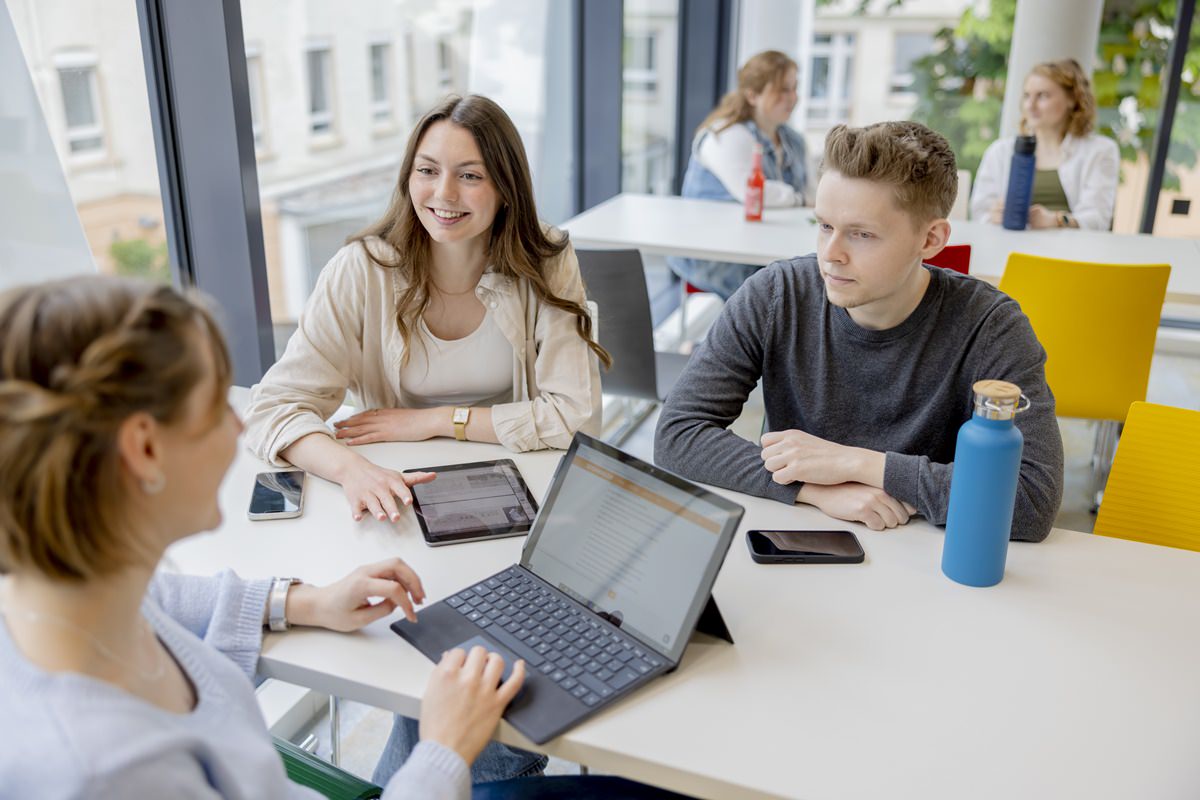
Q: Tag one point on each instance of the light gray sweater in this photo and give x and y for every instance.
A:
(65, 735)
(903, 391)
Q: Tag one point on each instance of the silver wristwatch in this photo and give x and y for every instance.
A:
(277, 603)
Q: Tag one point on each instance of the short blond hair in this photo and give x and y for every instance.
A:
(77, 358)
(1069, 75)
(915, 161)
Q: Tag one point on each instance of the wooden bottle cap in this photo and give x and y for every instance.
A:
(1001, 392)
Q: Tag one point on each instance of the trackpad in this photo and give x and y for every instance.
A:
(490, 646)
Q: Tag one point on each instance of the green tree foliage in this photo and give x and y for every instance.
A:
(960, 86)
(138, 258)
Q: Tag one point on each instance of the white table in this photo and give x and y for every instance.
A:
(1075, 677)
(717, 231)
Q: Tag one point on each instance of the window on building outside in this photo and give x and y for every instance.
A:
(81, 104)
(320, 101)
(907, 48)
(640, 73)
(254, 82)
(832, 76)
(381, 83)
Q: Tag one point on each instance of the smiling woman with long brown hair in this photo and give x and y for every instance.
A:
(457, 314)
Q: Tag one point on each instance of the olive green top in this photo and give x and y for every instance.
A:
(1048, 190)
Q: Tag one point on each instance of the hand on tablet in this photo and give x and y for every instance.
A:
(372, 489)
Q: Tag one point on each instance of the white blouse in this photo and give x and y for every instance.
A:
(475, 370)
(1089, 173)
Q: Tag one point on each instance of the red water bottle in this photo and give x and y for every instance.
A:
(754, 188)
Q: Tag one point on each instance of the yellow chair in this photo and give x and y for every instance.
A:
(1098, 323)
(1153, 492)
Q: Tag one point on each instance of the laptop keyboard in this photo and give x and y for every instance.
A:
(583, 655)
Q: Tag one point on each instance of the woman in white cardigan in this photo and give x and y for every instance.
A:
(457, 314)
(1075, 185)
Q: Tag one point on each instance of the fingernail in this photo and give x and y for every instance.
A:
(357, 518)
(395, 517)
(381, 517)
(407, 501)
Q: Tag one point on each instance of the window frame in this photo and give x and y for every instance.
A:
(87, 62)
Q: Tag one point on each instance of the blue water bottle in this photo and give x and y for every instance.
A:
(983, 489)
(1020, 183)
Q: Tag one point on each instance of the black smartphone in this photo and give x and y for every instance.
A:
(804, 547)
(277, 495)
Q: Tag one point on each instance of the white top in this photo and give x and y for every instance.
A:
(348, 343)
(1089, 173)
(846, 680)
(475, 370)
(729, 155)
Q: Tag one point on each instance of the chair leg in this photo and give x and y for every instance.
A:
(335, 724)
(683, 296)
(636, 413)
(1104, 449)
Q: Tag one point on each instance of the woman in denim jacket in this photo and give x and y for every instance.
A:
(753, 115)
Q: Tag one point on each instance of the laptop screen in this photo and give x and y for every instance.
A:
(633, 542)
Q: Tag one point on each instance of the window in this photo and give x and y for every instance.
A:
(649, 86)
(81, 103)
(254, 80)
(320, 101)
(400, 58)
(832, 77)
(381, 83)
(907, 48)
(640, 74)
(445, 65)
(81, 191)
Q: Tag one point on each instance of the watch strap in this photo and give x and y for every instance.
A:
(277, 603)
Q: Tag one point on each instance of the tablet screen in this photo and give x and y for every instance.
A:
(466, 502)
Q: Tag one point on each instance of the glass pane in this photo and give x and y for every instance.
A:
(78, 104)
(85, 64)
(1178, 212)
(648, 96)
(317, 92)
(379, 75)
(390, 61)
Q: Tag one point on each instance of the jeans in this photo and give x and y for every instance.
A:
(572, 787)
(719, 277)
(497, 762)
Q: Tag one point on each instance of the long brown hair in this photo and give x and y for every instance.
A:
(765, 70)
(1069, 75)
(77, 358)
(517, 246)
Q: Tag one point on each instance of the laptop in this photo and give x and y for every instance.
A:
(615, 575)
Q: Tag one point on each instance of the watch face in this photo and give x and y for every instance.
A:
(460, 415)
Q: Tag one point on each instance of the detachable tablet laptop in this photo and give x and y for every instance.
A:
(611, 583)
(469, 502)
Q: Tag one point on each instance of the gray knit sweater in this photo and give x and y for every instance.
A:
(903, 391)
(64, 735)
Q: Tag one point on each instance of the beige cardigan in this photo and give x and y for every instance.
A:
(348, 341)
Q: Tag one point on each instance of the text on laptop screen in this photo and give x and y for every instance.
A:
(627, 544)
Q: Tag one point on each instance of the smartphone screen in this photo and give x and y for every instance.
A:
(277, 494)
(806, 545)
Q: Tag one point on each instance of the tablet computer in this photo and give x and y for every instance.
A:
(469, 502)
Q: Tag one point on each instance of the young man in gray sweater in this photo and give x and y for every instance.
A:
(866, 355)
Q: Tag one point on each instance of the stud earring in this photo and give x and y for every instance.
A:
(155, 486)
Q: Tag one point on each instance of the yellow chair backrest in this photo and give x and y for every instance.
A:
(1153, 492)
(1097, 322)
